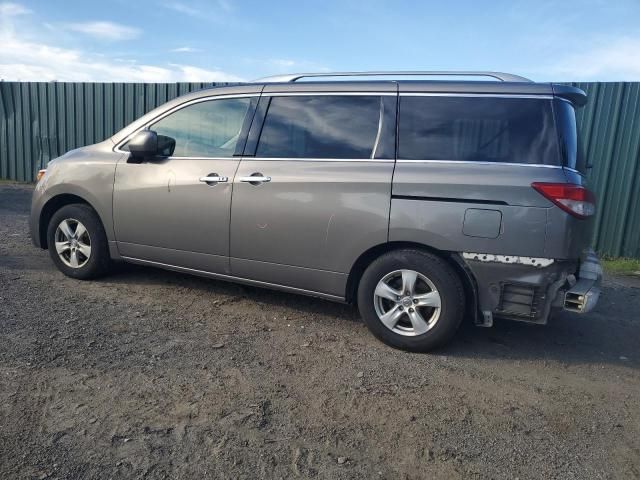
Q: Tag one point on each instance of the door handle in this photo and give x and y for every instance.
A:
(213, 178)
(255, 179)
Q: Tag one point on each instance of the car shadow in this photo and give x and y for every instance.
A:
(131, 274)
(608, 335)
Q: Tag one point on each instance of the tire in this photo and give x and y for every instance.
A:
(91, 262)
(428, 326)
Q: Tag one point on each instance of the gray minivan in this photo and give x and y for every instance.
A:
(421, 201)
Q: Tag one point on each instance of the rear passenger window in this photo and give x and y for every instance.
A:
(511, 130)
(337, 126)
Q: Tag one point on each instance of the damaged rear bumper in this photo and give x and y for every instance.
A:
(528, 288)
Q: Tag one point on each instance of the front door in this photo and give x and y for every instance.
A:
(175, 210)
(317, 192)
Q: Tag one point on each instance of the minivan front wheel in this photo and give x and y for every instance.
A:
(411, 299)
(77, 242)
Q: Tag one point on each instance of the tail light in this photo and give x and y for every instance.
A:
(40, 174)
(573, 199)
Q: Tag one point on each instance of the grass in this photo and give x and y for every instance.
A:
(621, 266)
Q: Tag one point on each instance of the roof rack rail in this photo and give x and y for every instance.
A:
(292, 77)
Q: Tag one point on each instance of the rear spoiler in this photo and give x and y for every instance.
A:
(575, 95)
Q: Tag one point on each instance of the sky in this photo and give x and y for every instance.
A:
(234, 40)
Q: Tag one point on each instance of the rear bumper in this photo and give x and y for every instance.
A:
(528, 289)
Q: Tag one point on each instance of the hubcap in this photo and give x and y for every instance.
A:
(407, 302)
(73, 243)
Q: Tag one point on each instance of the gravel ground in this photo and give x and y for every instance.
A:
(153, 374)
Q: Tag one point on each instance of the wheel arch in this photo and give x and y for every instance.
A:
(453, 259)
(51, 207)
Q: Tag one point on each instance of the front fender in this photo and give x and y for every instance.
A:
(87, 173)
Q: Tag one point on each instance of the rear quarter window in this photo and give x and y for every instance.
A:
(491, 129)
(570, 144)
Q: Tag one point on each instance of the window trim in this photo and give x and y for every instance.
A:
(318, 159)
(343, 93)
(480, 95)
(166, 113)
(472, 162)
(265, 102)
(267, 96)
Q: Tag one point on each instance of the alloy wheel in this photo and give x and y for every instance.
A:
(407, 302)
(73, 243)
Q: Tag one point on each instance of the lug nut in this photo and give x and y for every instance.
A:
(411, 310)
(401, 308)
(415, 301)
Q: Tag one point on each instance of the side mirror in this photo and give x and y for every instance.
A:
(143, 145)
(166, 146)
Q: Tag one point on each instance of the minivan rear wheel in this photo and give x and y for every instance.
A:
(411, 299)
(77, 242)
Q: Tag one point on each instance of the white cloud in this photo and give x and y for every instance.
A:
(278, 66)
(32, 61)
(190, 73)
(282, 63)
(606, 60)
(215, 13)
(9, 9)
(183, 8)
(25, 55)
(185, 50)
(105, 30)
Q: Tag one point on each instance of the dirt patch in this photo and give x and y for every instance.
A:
(153, 374)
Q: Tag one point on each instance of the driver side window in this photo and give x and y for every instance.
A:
(205, 129)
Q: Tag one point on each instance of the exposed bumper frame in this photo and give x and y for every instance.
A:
(503, 283)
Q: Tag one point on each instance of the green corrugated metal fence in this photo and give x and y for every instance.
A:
(610, 129)
(40, 121)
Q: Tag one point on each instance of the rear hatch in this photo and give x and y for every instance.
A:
(467, 162)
